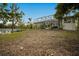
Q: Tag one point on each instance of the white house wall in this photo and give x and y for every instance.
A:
(69, 26)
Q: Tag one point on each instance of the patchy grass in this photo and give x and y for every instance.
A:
(40, 42)
(71, 41)
(11, 36)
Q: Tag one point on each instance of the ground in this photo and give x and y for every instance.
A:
(40, 43)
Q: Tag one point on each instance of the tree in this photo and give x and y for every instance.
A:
(15, 15)
(59, 13)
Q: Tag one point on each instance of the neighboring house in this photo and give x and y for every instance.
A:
(69, 23)
(47, 23)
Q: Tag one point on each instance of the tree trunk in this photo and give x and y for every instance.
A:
(60, 24)
(12, 25)
(78, 24)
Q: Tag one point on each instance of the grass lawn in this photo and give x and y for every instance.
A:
(11, 36)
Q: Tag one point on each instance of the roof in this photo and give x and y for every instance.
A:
(51, 21)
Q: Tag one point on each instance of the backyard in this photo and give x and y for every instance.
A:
(40, 43)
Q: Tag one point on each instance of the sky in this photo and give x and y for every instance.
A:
(36, 10)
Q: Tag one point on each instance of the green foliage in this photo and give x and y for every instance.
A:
(30, 26)
(65, 8)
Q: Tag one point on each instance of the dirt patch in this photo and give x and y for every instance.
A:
(39, 43)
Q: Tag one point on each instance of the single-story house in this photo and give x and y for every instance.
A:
(69, 23)
(47, 23)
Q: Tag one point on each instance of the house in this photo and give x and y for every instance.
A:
(47, 23)
(69, 23)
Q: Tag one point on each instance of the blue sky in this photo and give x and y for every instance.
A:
(35, 10)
